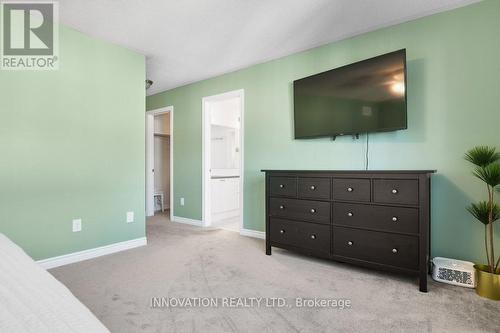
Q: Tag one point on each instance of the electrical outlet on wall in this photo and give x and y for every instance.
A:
(77, 225)
(130, 217)
(182, 201)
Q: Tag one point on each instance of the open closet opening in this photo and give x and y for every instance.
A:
(162, 163)
(159, 154)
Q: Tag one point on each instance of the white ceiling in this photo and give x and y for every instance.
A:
(190, 40)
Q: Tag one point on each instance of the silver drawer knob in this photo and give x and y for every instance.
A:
(394, 219)
(282, 231)
(349, 214)
(394, 191)
(282, 207)
(312, 187)
(313, 236)
(349, 243)
(394, 250)
(282, 186)
(350, 189)
(313, 210)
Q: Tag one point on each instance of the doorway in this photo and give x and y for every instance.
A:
(159, 162)
(223, 134)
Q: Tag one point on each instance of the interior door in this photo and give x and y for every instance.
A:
(150, 162)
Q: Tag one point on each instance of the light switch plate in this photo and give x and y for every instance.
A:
(130, 217)
(77, 225)
(182, 201)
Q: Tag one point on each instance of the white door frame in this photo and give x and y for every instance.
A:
(206, 145)
(150, 159)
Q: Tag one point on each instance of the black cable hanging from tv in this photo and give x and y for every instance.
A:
(366, 151)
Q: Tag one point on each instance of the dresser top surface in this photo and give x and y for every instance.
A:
(352, 171)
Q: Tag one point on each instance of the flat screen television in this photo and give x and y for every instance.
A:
(363, 97)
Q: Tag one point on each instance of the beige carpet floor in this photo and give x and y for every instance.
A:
(185, 261)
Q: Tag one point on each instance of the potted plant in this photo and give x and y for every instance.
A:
(487, 169)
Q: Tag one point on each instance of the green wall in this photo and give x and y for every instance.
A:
(72, 146)
(453, 104)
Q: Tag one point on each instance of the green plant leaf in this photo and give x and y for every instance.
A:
(481, 211)
(489, 174)
(482, 156)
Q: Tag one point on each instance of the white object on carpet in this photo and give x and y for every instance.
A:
(453, 271)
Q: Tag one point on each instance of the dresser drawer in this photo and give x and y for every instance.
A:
(305, 235)
(395, 219)
(315, 188)
(401, 191)
(283, 186)
(307, 210)
(377, 247)
(351, 189)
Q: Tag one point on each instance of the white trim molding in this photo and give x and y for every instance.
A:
(253, 233)
(185, 220)
(91, 253)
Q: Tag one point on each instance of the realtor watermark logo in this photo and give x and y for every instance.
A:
(250, 302)
(29, 35)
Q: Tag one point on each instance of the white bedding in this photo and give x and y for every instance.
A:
(32, 300)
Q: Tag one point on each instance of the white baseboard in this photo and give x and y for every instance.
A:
(91, 253)
(198, 223)
(253, 233)
(185, 220)
(216, 217)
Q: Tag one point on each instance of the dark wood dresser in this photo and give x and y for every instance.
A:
(376, 219)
